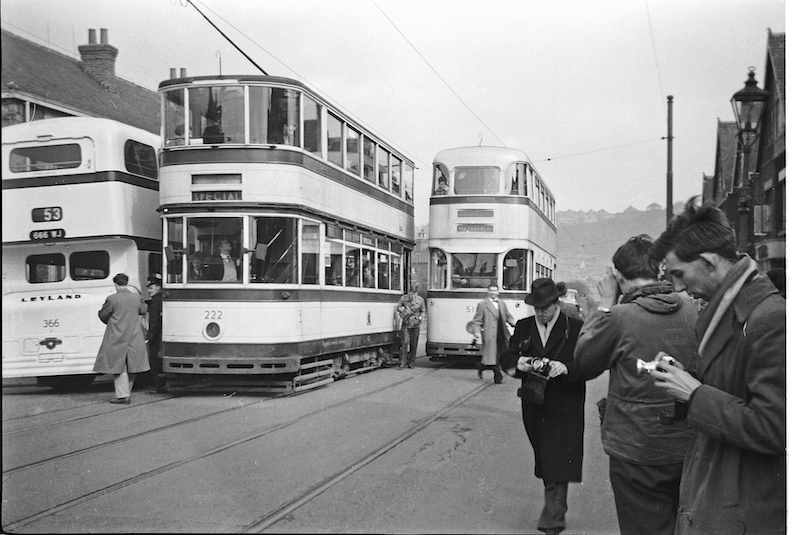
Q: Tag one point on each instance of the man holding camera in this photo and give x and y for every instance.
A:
(552, 404)
(734, 477)
(644, 440)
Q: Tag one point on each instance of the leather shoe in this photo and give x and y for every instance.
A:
(480, 373)
(121, 401)
(498, 381)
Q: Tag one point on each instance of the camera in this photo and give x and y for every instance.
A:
(643, 367)
(540, 365)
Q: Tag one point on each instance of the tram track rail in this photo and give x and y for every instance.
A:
(271, 517)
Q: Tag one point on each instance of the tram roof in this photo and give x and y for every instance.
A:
(262, 79)
(478, 155)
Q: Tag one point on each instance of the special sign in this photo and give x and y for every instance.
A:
(216, 195)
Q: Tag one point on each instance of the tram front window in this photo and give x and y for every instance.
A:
(217, 114)
(438, 276)
(274, 116)
(215, 249)
(474, 270)
(477, 180)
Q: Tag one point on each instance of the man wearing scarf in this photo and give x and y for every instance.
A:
(734, 475)
(645, 443)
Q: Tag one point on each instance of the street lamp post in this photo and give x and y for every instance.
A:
(748, 104)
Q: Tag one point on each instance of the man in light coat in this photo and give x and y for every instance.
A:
(489, 325)
(734, 474)
(123, 350)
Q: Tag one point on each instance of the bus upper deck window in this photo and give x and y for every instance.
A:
(45, 268)
(140, 159)
(49, 157)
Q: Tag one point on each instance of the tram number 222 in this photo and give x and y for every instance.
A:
(213, 314)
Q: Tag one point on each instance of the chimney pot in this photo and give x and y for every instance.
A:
(92, 37)
(172, 74)
(183, 72)
(104, 36)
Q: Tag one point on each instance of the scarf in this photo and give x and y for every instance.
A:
(649, 289)
(722, 299)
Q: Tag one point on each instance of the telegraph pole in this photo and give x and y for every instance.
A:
(669, 159)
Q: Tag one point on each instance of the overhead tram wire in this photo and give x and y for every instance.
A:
(437, 74)
(300, 76)
(655, 55)
(601, 150)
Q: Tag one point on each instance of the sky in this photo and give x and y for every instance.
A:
(580, 86)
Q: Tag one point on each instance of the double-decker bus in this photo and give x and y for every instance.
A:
(80, 204)
(288, 228)
(492, 221)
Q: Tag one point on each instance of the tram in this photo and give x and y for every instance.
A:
(287, 231)
(80, 204)
(492, 221)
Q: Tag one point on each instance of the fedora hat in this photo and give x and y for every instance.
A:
(543, 292)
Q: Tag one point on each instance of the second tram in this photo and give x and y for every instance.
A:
(492, 221)
(80, 201)
(288, 228)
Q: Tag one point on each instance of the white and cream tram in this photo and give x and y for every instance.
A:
(492, 221)
(80, 204)
(287, 229)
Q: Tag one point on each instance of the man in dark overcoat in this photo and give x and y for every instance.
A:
(123, 350)
(554, 427)
(153, 336)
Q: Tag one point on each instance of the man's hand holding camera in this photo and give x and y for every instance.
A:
(552, 368)
(670, 375)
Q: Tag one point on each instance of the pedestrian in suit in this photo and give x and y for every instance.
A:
(123, 349)
(153, 336)
(411, 309)
(489, 324)
(554, 425)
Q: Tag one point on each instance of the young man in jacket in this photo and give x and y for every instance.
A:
(734, 476)
(645, 443)
(489, 325)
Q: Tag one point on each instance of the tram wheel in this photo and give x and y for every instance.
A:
(65, 383)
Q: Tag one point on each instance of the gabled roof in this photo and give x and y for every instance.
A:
(29, 69)
(776, 59)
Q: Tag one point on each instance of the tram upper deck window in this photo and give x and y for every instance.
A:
(217, 113)
(50, 157)
(477, 180)
(175, 119)
(43, 268)
(215, 245)
(353, 150)
(274, 116)
(312, 126)
(275, 260)
(395, 174)
(441, 180)
(474, 270)
(517, 179)
(335, 149)
(383, 168)
(140, 159)
(369, 160)
(408, 181)
(89, 265)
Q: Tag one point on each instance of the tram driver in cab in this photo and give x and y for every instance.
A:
(225, 267)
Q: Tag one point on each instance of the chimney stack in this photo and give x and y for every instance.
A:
(172, 71)
(183, 72)
(98, 59)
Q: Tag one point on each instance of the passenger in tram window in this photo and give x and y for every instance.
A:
(442, 188)
(225, 268)
(197, 267)
(489, 325)
(123, 349)
(212, 134)
(552, 399)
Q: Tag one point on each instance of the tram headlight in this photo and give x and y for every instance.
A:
(213, 330)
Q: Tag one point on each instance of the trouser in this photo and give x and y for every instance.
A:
(554, 512)
(646, 496)
(123, 384)
(408, 345)
(498, 373)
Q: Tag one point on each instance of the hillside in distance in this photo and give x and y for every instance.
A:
(588, 240)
